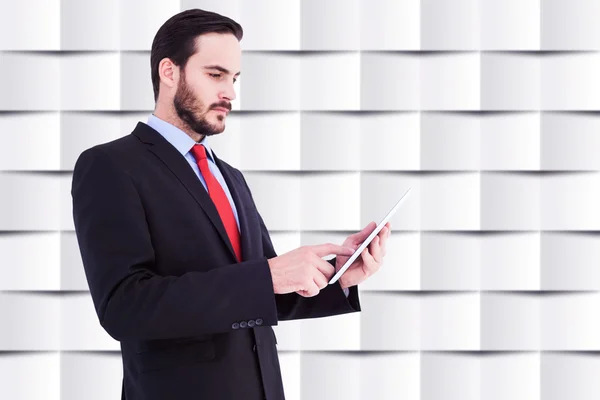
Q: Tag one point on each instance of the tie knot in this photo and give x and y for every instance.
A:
(199, 152)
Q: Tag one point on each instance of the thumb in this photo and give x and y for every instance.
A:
(365, 232)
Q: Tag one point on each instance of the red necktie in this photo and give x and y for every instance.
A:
(218, 196)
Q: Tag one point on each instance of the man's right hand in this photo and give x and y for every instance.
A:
(303, 270)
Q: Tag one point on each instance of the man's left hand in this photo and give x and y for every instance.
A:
(370, 259)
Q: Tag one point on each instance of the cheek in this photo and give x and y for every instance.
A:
(201, 87)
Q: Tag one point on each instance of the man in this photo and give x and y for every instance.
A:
(179, 262)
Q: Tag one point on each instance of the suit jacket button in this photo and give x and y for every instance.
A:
(235, 325)
(243, 324)
(251, 323)
(259, 321)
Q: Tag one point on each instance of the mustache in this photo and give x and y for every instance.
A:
(222, 104)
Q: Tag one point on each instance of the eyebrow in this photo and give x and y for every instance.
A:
(219, 68)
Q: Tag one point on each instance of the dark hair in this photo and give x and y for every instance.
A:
(176, 38)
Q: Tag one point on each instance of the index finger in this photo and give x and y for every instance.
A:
(326, 249)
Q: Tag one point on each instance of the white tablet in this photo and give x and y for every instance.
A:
(368, 239)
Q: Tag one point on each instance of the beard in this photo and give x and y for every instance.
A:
(193, 112)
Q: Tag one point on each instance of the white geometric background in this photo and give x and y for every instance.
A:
(488, 109)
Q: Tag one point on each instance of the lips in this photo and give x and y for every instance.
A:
(221, 109)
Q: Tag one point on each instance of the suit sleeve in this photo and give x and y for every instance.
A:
(131, 301)
(331, 300)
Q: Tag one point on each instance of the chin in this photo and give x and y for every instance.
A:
(218, 128)
(218, 122)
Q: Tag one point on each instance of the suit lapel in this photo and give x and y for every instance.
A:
(169, 155)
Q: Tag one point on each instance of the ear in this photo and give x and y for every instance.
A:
(168, 72)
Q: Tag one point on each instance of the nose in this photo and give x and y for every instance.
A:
(228, 92)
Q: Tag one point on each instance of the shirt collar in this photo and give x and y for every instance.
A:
(178, 138)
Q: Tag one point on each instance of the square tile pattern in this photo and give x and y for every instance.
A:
(489, 110)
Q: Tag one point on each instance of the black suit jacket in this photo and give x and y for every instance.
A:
(193, 322)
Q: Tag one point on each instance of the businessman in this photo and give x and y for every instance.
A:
(179, 262)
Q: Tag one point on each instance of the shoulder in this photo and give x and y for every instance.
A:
(117, 152)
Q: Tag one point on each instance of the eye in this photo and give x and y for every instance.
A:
(234, 80)
(215, 75)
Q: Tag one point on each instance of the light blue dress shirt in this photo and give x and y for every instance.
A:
(184, 143)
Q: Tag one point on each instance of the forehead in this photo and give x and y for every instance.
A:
(218, 49)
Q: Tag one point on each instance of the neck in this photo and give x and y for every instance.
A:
(170, 116)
